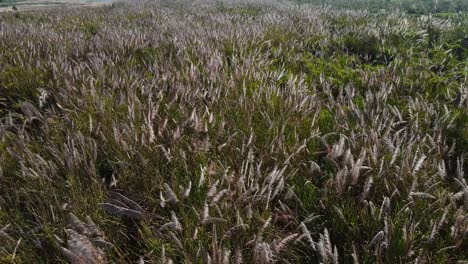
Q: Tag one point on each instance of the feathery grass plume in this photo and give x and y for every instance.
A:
(82, 248)
(218, 196)
(162, 200)
(226, 255)
(44, 97)
(71, 257)
(458, 229)
(77, 225)
(130, 203)
(385, 208)
(214, 220)
(414, 185)
(315, 169)
(201, 180)
(103, 244)
(443, 218)
(121, 211)
(388, 144)
(325, 248)
(213, 188)
(93, 228)
(176, 241)
(338, 149)
(283, 243)
(371, 209)
(395, 155)
(305, 231)
(441, 169)
(355, 170)
(263, 254)
(238, 258)
(327, 243)
(434, 232)
(422, 195)
(335, 255)
(311, 218)
(340, 214)
(387, 229)
(321, 250)
(460, 171)
(261, 231)
(176, 222)
(355, 254)
(186, 192)
(173, 225)
(341, 180)
(31, 113)
(458, 196)
(462, 194)
(419, 164)
(171, 194)
(205, 213)
(377, 239)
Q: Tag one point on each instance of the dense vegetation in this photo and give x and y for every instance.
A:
(410, 6)
(216, 132)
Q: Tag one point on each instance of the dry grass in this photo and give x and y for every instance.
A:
(215, 132)
(35, 5)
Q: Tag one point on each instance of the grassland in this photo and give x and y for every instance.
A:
(35, 5)
(233, 132)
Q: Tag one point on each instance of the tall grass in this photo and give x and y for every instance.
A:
(232, 132)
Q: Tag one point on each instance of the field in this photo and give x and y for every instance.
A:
(234, 132)
(34, 5)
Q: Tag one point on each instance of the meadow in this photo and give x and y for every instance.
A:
(233, 132)
(38, 5)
